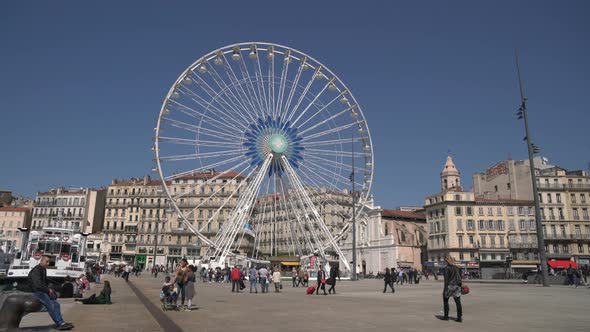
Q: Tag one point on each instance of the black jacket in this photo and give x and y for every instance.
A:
(37, 279)
(452, 276)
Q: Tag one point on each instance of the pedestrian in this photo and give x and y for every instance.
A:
(388, 280)
(300, 277)
(263, 274)
(181, 278)
(321, 281)
(571, 275)
(235, 279)
(128, 270)
(97, 269)
(276, 278)
(306, 278)
(253, 278)
(452, 288)
(294, 276)
(104, 297)
(191, 279)
(400, 277)
(333, 274)
(37, 281)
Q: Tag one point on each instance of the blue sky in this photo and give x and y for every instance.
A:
(81, 83)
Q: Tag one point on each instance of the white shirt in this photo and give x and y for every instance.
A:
(263, 272)
(276, 276)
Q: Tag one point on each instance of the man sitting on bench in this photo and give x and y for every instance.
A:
(37, 281)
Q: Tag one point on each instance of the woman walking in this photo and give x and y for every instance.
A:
(452, 288)
(388, 279)
(321, 281)
(333, 275)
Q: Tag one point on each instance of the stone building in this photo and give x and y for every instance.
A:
(479, 233)
(11, 219)
(79, 209)
(564, 197)
(408, 231)
(139, 219)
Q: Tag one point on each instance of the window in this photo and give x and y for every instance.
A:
(458, 211)
(481, 225)
(501, 240)
(553, 231)
(523, 225)
(460, 239)
(469, 210)
(500, 225)
(585, 213)
(491, 225)
(540, 198)
(562, 228)
(459, 225)
(560, 212)
(551, 214)
(483, 240)
(510, 211)
(499, 211)
(461, 257)
(457, 197)
(572, 198)
(558, 197)
(471, 239)
(576, 216)
(470, 225)
(556, 249)
(508, 185)
(490, 211)
(480, 211)
(532, 225)
(578, 231)
(549, 200)
(583, 198)
(511, 225)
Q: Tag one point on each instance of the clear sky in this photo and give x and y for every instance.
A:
(81, 82)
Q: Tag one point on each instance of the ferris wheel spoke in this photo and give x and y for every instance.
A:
(200, 169)
(218, 98)
(326, 232)
(201, 155)
(321, 110)
(196, 142)
(318, 181)
(303, 94)
(329, 131)
(259, 108)
(316, 168)
(345, 154)
(332, 142)
(294, 242)
(326, 120)
(230, 73)
(208, 105)
(198, 115)
(260, 83)
(271, 86)
(282, 83)
(294, 86)
(225, 89)
(348, 167)
(200, 130)
(313, 101)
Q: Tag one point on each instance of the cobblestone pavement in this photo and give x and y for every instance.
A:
(357, 306)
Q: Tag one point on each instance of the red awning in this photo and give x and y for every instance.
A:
(562, 264)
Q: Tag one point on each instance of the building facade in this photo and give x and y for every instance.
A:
(141, 227)
(479, 233)
(79, 209)
(408, 231)
(11, 219)
(564, 198)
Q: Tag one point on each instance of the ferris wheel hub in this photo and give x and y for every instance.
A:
(278, 143)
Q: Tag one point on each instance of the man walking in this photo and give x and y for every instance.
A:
(301, 277)
(263, 274)
(37, 280)
(294, 276)
(235, 279)
(253, 276)
(452, 288)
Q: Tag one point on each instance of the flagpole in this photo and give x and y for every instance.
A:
(353, 213)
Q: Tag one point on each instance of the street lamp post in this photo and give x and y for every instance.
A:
(522, 114)
(354, 277)
(157, 229)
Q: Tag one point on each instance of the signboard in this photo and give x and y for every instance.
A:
(140, 259)
(312, 262)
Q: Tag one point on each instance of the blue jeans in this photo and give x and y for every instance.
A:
(181, 292)
(52, 306)
(97, 279)
(253, 285)
(263, 285)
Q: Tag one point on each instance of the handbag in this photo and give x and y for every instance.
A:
(330, 281)
(323, 281)
(464, 290)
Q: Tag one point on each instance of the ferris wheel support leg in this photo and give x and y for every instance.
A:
(297, 183)
(243, 208)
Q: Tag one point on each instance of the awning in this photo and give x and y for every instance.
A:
(562, 264)
(290, 263)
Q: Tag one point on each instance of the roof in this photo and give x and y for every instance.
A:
(15, 209)
(403, 214)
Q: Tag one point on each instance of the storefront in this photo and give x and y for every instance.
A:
(583, 260)
(140, 261)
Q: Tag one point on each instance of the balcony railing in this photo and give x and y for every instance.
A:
(562, 186)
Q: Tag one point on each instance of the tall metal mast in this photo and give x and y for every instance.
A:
(522, 114)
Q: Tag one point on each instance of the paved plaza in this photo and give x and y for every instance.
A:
(357, 306)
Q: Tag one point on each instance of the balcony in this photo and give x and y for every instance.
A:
(567, 236)
(569, 186)
(527, 245)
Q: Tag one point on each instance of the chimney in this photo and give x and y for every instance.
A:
(146, 180)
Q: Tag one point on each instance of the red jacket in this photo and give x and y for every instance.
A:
(236, 274)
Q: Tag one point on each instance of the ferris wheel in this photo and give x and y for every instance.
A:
(285, 134)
